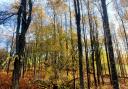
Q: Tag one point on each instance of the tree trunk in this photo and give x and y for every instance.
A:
(107, 35)
(23, 22)
(77, 13)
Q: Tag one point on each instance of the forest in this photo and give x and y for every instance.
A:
(63, 44)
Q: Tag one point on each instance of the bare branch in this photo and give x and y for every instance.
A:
(4, 16)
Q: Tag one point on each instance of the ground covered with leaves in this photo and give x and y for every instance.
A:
(28, 82)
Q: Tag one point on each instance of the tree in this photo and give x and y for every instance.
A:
(107, 35)
(120, 12)
(23, 22)
(78, 16)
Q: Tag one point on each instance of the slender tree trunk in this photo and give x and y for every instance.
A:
(108, 62)
(72, 52)
(86, 47)
(11, 53)
(77, 13)
(92, 38)
(97, 53)
(107, 35)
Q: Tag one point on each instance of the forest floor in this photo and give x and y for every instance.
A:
(28, 82)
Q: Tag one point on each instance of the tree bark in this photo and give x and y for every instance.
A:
(77, 13)
(107, 35)
(22, 22)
